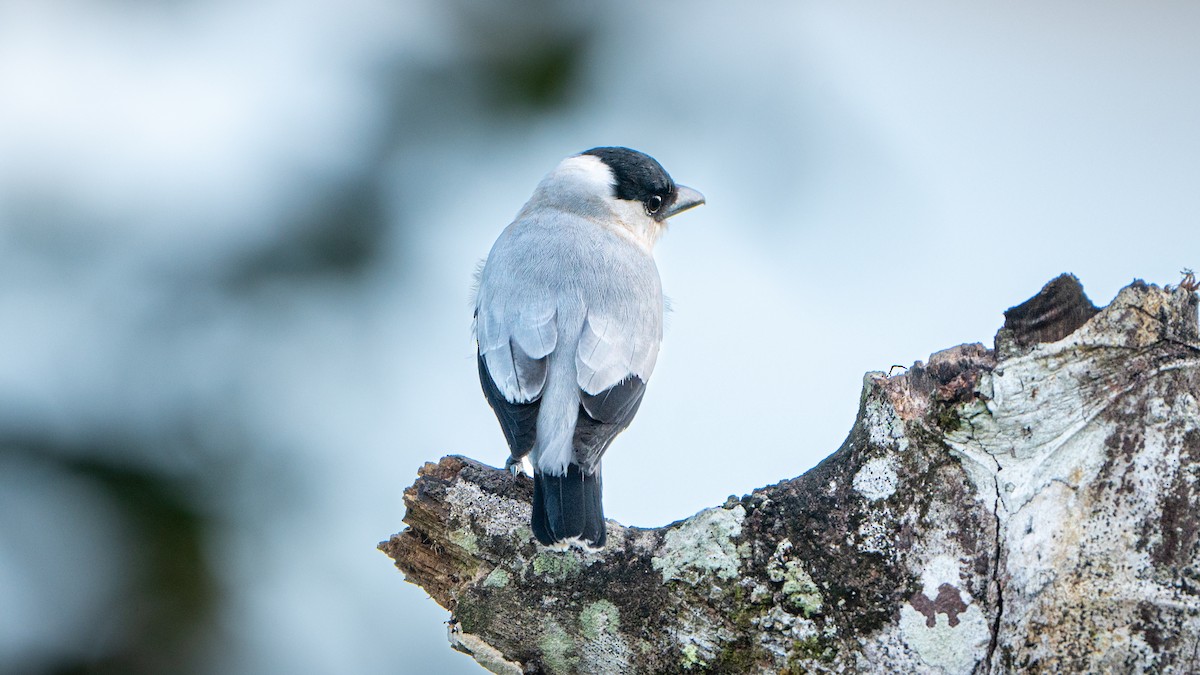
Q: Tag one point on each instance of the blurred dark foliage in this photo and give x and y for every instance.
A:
(523, 61)
(173, 589)
(511, 63)
(338, 240)
(540, 77)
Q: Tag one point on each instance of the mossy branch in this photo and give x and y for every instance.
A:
(1032, 507)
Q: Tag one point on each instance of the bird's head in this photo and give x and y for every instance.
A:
(618, 187)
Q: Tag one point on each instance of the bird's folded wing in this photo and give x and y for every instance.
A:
(612, 350)
(613, 366)
(514, 344)
(614, 361)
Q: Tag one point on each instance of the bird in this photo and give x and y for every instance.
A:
(568, 323)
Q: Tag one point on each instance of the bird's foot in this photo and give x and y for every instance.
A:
(515, 465)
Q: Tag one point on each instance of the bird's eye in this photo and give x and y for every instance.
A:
(653, 204)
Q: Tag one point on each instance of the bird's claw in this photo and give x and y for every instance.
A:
(513, 465)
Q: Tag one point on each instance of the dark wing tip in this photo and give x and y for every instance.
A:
(518, 421)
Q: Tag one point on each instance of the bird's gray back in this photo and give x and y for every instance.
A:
(583, 305)
(579, 270)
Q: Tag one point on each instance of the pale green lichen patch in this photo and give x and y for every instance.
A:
(599, 618)
(558, 649)
(800, 592)
(604, 649)
(556, 566)
(498, 578)
(464, 539)
(691, 657)
(703, 545)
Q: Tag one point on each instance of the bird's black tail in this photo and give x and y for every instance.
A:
(568, 507)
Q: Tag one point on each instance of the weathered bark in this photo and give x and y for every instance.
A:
(1028, 508)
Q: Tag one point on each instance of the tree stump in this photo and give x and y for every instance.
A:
(1032, 507)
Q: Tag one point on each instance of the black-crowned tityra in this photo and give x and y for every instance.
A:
(568, 321)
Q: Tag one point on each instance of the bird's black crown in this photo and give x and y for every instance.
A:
(639, 177)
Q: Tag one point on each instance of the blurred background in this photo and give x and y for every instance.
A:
(237, 243)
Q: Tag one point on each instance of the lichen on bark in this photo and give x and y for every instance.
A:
(1031, 507)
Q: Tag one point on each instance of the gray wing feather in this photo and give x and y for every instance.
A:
(611, 350)
(515, 345)
(618, 348)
